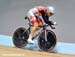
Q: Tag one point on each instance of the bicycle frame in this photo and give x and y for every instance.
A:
(46, 38)
(43, 26)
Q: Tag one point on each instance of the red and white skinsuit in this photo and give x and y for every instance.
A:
(35, 12)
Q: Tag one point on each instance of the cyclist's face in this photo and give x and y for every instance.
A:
(49, 13)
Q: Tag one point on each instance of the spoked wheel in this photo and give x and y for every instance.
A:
(50, 43)
(20, 37)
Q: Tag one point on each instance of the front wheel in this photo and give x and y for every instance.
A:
(50, 43)
(20, 37)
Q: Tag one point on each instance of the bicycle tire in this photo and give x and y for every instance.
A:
(20, 40)
(51, 41)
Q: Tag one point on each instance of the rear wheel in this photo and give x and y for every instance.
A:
(20, 37)
(50, 43)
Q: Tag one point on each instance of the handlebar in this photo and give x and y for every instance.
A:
(45, 25)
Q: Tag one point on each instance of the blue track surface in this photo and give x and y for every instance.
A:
(67, 48)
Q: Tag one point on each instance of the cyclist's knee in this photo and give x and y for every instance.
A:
(36, 24)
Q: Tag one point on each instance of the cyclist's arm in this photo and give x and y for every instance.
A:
(46, 20)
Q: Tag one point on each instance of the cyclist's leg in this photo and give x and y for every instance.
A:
(36, 23)
(33, 28)
(40, 23)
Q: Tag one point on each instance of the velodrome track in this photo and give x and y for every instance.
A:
(16, 52)
(7, 48)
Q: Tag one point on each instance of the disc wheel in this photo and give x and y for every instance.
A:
(50, 43)
(20, 37)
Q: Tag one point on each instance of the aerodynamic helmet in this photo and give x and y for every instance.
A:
(51, 9)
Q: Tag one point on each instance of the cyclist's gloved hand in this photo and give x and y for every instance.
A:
(55, 23)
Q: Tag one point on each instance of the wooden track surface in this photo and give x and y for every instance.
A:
(17, 52)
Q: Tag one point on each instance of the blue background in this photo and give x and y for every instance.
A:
(66, 48)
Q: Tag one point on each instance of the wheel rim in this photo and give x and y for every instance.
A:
(50, 43)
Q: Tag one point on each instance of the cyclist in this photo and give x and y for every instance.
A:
(37, 15)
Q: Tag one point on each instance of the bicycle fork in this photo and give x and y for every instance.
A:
(45, 35)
